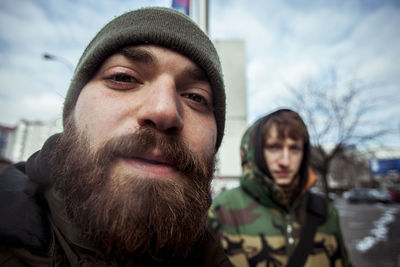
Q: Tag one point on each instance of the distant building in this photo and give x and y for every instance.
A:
(385, 165)
(374, 167)
(233, 60)
(384, 152)
(6, 141)
(350, 169)
(29, 137)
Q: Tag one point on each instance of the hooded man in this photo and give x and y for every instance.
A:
(127, 183)
(272, 218)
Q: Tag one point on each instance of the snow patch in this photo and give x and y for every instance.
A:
(379, 233)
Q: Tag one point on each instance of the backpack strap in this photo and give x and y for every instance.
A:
(316, 215)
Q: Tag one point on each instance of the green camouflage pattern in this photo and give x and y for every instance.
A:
(256, 227)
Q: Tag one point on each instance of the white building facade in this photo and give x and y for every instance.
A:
(29, 137)
(233, 60)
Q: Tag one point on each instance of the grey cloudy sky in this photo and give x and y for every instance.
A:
(286, 43)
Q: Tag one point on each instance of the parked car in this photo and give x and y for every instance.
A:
(381, 195)
(367, 195)
(395, 192)
(358, 195)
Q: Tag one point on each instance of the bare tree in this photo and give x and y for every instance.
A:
(338, 116)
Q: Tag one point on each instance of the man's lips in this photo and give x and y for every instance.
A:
(282, 173)
(152, 157)
(151, 162)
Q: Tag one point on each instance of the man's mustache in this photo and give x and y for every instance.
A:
(145, 140)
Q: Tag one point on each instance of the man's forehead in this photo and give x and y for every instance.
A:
(282, 133)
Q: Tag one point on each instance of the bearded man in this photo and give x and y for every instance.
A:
(128, 180)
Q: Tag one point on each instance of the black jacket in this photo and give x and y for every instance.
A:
(28, 235)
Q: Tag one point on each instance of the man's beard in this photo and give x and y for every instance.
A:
(129, 217)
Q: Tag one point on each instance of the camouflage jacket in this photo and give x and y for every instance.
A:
(256, 228)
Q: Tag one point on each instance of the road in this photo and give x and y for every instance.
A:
(371, 233)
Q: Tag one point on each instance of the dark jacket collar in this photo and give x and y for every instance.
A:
(23, 211)
(23, 208)
(38, 165)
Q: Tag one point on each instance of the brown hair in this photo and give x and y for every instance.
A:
(288, 123)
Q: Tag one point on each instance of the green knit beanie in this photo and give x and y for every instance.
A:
(159, 26)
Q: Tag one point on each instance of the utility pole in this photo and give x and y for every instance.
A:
(203, 15)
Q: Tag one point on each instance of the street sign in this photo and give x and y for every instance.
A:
(385, 166)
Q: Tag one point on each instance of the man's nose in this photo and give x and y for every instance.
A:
(284, 159)
(161, 107)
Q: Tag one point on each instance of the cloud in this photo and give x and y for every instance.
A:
(42, 107)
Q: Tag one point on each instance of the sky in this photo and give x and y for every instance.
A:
(287, 43)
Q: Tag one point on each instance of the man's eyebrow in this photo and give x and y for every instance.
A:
(195, 73)
(138, 54)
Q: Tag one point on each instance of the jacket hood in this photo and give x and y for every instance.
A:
(256, 179)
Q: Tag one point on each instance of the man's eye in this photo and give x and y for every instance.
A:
(121, 81)
(197, 98)
(123, 78)
(295, 148)
(273, 147)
